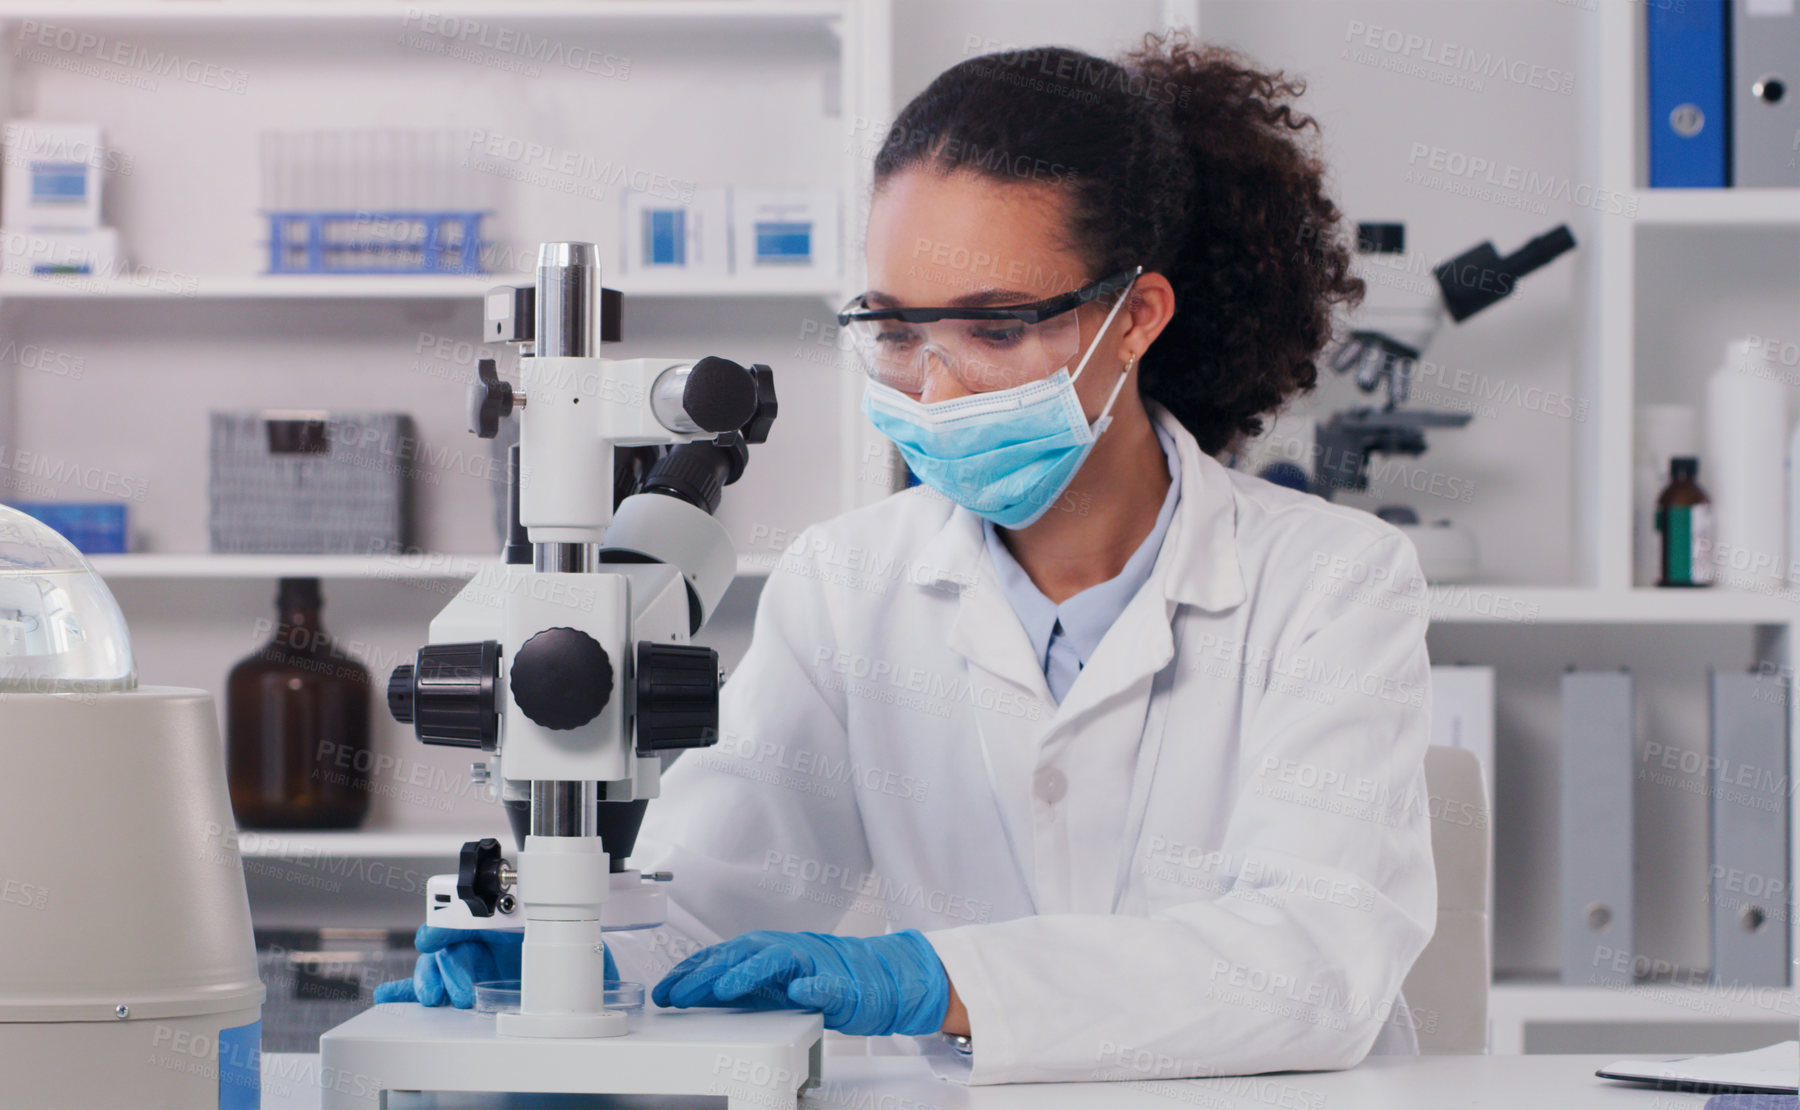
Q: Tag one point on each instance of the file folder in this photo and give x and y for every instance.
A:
(1688, 51)
(1748, 776)
(1765, 93)
(1597, 845)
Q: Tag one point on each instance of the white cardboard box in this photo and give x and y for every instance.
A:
(664, 235)
(52, 178)
(784, 230)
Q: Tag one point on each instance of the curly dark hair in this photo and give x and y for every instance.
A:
(1184, 158)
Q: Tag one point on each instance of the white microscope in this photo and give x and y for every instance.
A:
(571, 666)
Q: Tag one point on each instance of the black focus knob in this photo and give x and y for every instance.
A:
(490, 399)
(757, 430)
(561, 678)
(400, 693)
(447, 695)
(677, 696)
(720, 395)
(478, 876)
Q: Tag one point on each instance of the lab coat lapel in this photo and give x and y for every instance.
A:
(1198, 565)
(1200, 561)
(985, 631)
(1133, 649)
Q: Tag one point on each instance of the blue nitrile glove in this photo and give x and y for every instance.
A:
(864, 986)
(452, 961)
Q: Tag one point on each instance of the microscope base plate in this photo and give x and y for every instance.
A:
(754, 1059)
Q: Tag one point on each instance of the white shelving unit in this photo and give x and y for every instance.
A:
(856, 95)
(147, 566)
(124, 568)
(259, 14)
(322, 287)
(1611, 143)
(861, 92)
(1514, 1006)
(302, 847)
(1577, 605)
(1753, 208)
(304, 59)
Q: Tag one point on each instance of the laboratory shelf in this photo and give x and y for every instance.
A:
(386, 12)
(117, 567)
(300, 846)
(1525, 605)
(1450, 604)
(1719, 207)
(1512, 1005)
(404, 568)
(175, 287)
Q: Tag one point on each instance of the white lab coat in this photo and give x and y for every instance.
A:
(1212, 858)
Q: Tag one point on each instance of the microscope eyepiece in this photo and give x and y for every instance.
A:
(699, 472)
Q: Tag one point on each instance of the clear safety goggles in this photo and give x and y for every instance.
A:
(985, 348)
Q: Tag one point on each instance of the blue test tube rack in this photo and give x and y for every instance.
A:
(331, 242)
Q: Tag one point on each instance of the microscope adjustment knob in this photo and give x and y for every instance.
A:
(677, 696)
(478, 876)
(400, 693)
(447, 694)
(561, 678)
(490, 399)
(720, 395)
(757, 430)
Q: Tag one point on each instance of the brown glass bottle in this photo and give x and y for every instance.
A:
(1684, 517)
(297, 724)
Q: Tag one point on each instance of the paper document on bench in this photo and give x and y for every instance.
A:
(1774, 1069)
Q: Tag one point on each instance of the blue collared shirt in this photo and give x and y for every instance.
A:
(1064, 636)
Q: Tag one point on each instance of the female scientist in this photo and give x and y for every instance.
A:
(1125, 747)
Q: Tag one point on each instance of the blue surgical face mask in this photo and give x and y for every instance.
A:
(1006, 455)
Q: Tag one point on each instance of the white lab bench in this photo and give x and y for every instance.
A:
(290, 1082)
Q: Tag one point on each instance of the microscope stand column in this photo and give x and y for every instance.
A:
(562, 883)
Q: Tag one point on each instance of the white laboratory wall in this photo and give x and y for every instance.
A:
(930, 36)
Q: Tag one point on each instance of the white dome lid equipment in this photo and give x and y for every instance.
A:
(60, 629)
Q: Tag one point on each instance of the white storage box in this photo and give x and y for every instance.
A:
(52, 177)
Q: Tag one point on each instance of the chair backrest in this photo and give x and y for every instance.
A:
(1447, 989)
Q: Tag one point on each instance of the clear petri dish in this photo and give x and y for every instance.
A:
(501, 996)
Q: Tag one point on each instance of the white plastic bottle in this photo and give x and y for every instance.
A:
(1791, 571)
(1747, 436)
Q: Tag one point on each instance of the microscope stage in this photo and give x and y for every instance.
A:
(754, 1059)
